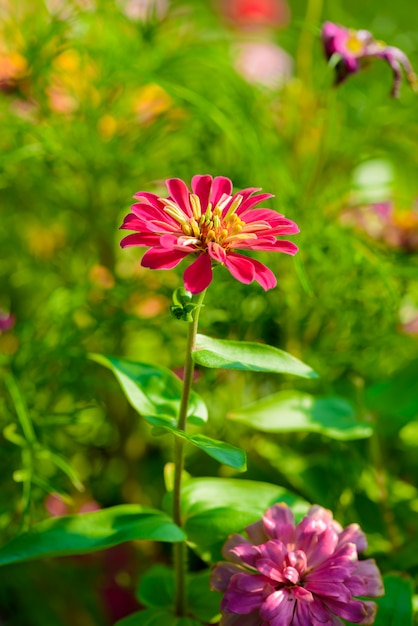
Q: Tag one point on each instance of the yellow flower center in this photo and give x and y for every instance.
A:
(211, 225)
(354, 44)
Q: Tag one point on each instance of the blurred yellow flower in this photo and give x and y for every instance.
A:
(101, 277)
(44, 241)
(150, 102)
(107, 126)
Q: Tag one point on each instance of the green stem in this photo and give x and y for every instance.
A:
(381, 483)
(307, 39)
(27, 451)
(180, 549)
(21, 409)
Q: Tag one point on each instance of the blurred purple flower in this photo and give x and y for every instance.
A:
(353, 49)
(297, 575)
(7, 321)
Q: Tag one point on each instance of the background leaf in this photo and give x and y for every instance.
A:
(89, 532)
(156, 617)
(395, 607)
(153, 390)
(213, 508)
(156, 589)
(395, 400)
(245, 355)
(291, 411)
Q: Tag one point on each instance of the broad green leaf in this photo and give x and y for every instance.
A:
(156, 617)
(202, 601)
(395, 400)
(89, 532)
(218, 450)
(156, 589)
(292, 411)
(245, 355)
(213, 508)
(395, 608)
(153, 390)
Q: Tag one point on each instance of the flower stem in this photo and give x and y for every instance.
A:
(307, 39)
(180, 548)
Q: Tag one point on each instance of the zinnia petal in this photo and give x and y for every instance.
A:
(220, 186)
(162, 259)
(366, 580)
(279, 523)
(221, 575)
(179, 192)
(278, 608)
(198, 276)
(356, 611)
(244, 594)
(201, 186)
(240, 267)
(137, 239)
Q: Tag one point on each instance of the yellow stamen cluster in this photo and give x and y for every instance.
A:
(211, 225)
(354, 43)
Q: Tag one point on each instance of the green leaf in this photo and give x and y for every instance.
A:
(202, 601)
(213, 508)
(156, 617)
(157, 590)
(218, 450)
(244, 355)
(153, 390)
(395, 400)
(293, 411)
(395, 608)
(89, 532)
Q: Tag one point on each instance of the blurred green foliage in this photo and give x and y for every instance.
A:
(95, 106)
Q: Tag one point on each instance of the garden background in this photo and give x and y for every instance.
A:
(99, 100)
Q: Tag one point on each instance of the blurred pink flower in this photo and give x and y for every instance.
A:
(411, 327)
(256, 13)
(303, 575)
(7, 321)
(380, 220)
(13, 70)
(208, 223)
(263, 62)
(354, 48)
(144, 10)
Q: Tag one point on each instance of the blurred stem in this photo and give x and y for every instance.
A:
(21, 409)
(27, 451)
(180, 548)
(307, 39)
(381, 482)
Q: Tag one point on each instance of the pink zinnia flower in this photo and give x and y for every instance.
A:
(356, 47)
(209, 223)
(303, 575)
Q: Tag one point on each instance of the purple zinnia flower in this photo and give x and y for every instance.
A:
(354, 48)
(296, 575)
